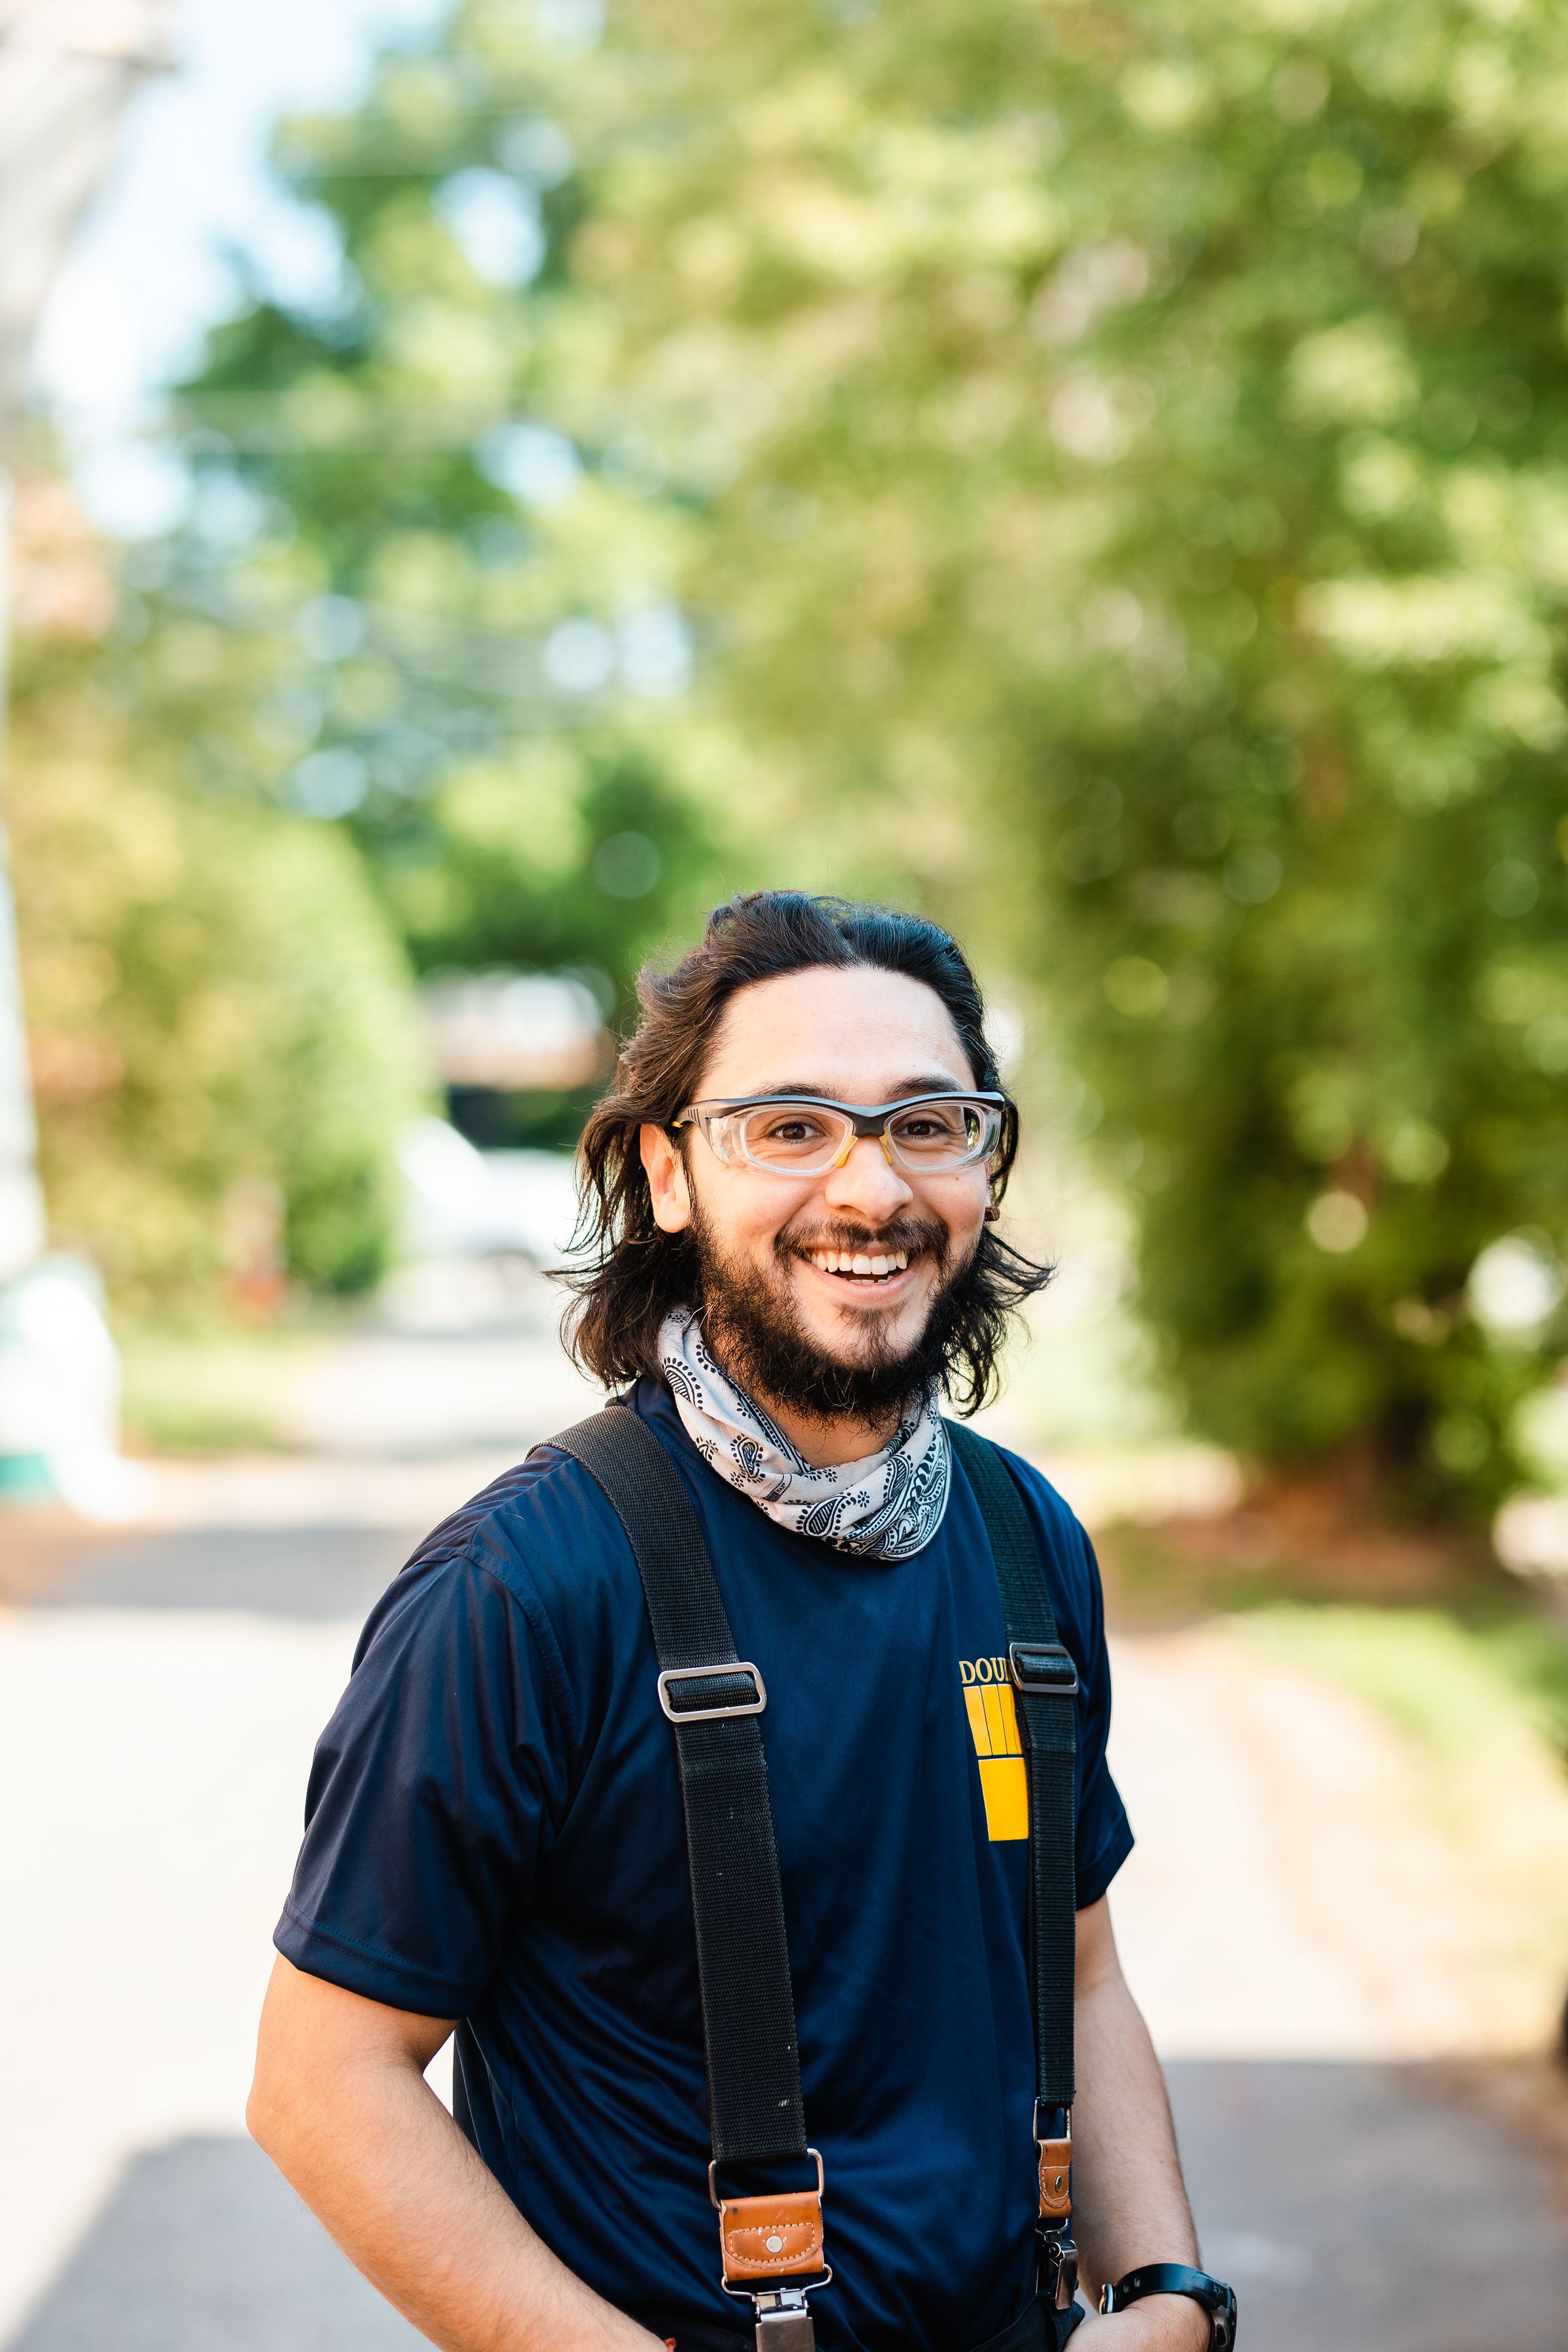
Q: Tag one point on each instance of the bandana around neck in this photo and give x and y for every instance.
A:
(888, 1506)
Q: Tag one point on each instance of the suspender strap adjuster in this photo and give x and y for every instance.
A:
(711, 1693)
(1042, 1669)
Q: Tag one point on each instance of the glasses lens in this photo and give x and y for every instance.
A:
(947, 1134)
(800, 1138)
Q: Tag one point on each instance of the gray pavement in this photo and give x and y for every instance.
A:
(313, 1573)
(1355, 2203)
(204, 2248)
(1330, 2193)
(1357, 2210)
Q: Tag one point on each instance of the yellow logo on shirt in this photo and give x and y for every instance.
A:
(993, 1724)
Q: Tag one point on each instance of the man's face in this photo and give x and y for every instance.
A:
(858, 1036)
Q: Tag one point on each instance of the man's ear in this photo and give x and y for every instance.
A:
(666, 1179)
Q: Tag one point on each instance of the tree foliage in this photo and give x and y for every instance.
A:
(212, 996)
(1111, 466)
(1148, 525)
(461, 641)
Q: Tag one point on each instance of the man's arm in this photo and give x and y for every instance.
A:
(342, 2106)
(1129, 2204)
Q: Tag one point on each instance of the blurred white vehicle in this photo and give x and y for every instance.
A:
(479, 1229)
(458, 1202)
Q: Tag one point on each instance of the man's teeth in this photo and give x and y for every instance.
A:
(849, 1262)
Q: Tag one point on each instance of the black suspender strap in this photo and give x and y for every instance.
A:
(772, 2246)
(1045, 1685)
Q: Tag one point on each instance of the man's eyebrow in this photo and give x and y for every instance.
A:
(939, 1083)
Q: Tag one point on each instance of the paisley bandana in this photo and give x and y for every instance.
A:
(888, 1506)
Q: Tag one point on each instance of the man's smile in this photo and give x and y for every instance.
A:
(857, 1262)
(886, 1273)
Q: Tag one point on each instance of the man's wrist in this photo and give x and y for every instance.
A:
(1175, 2323)
(1159, 2323)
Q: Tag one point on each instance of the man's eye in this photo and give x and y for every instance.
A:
(793, 1130)
(929, 1126)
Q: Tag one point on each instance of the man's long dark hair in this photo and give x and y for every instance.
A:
(639, 1271)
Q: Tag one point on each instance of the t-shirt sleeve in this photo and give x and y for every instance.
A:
(435, 1788)
(1104, 1837)
(1104, 1832)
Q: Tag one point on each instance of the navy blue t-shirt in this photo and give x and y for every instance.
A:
(494, 1835)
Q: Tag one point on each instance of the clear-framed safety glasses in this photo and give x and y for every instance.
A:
(808, 1135)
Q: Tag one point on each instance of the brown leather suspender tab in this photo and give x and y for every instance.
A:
(771, 2237)
(1056, 2171)
(776, 2237)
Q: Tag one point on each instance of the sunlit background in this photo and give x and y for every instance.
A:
(486, 482)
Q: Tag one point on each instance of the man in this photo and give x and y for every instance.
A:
(788, 1280)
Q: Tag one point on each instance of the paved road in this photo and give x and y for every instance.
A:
(158, 1696)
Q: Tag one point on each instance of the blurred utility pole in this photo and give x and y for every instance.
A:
(67, 68)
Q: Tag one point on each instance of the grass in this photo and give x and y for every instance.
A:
(217, 1391)
(1431, 1636)
(1446, 1684)
(1427, 1843)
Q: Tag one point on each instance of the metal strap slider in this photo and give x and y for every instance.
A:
(699, 1705)
(1052, 2122)
(1042, 1669)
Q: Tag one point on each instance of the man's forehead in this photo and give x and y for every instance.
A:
(858, 1034)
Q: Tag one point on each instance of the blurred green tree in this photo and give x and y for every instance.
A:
(214, 1002)
(1128, 464)
(454, 629)
(1112, 464)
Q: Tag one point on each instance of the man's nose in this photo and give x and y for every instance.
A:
(867, 1185)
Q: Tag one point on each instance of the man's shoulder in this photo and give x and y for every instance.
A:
(1058, 1530)
(1047, 1500)
(1060, 1520)
(1066, 1555)
(545, 1530)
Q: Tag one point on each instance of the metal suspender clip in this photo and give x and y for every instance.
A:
(1042, 1669)
(673, 1678)
(1059, 2254)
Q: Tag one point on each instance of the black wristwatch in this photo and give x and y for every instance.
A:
(1175, 2278)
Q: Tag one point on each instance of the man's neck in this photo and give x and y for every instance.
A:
(827, 1443)
(825, 1440)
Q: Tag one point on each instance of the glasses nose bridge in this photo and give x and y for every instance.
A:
(859, 1130)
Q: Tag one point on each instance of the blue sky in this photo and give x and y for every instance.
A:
(146, 275)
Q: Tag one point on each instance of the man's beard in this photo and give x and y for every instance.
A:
(751, 1321)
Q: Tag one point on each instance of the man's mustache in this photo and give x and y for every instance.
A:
(913, 1234)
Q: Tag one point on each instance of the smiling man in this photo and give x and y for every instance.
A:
(795, 1186)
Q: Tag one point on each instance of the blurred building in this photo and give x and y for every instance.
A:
(514, 1030)
(67, 70)
(521, 1055)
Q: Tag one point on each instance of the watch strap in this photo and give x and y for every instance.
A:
(1179, 2278)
